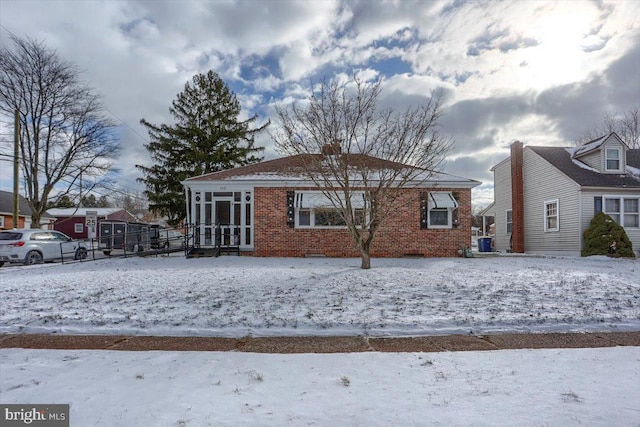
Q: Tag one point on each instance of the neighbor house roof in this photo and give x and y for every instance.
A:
(586, 176)
(294, 168)
(6, 204)
(75, 212)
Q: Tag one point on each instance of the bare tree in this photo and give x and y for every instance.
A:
(351, 148)
(626, 125)
(64, 134)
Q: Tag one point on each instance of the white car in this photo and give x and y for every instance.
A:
(34, 246)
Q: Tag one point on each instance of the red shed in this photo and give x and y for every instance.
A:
(73, 221)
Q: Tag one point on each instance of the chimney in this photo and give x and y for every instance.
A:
(517, 198)
(331, 149)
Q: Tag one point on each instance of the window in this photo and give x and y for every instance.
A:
(77, 228)
(623, 210)
(509, 221)
(612, 158)
(328, 218)
(325, 217)
(1, 221)
(441, 206)
(551, 222)
(612, 208)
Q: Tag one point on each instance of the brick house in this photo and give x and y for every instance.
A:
(546, 197)
(24, 213)
(271, 209)
(72, 221)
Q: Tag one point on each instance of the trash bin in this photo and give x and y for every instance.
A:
(484, 244)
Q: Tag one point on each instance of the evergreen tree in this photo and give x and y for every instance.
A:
(207, 137)
(605, 237)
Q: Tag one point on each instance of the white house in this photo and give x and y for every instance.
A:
(546, 197)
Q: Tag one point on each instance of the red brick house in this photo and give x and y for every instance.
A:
(272, 209)
(24, 213)
(73, 221)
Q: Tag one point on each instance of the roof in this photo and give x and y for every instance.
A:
(594, 144)
(71, 212)
(294, 167)
(586, 176)
(6, 204)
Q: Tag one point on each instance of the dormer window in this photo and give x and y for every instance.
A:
(612, 159)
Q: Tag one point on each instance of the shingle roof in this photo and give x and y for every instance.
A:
(585, 176)
(293, 167)
(6, 204)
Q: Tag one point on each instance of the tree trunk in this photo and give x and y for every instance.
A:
(366, 257)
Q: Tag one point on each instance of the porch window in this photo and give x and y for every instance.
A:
(551, 222)
(441, 206)
(623, 210)
(612, 159)
(509, 221)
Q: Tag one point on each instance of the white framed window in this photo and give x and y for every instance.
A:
(441, 206)
(509, 222)
(325, 218)
(623, 210)
(1, 221)
(551, 215)
(631, 212)
(77, 228)
(612, 159)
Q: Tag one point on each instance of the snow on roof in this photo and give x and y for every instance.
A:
(59, 212)
(590, 146)
(578, 163)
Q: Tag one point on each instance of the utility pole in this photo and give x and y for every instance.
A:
(16, 166)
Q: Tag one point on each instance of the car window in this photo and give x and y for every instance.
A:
(59, 237)
(41, 236)
(10, 235)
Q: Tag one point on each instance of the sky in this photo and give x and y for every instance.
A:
(539, 72)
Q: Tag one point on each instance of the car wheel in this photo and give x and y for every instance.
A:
(81, 253)
(33, 257)
(107, 253)
(1, 263)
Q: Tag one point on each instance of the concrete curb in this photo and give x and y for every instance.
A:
(295, 345)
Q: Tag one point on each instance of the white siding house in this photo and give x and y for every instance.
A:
(563, 188)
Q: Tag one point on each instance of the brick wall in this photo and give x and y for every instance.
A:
(399, 235)
(517, 198)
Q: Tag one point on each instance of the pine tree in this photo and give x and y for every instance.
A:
(207, 137)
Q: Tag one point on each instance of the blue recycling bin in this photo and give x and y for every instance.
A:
(484, 244)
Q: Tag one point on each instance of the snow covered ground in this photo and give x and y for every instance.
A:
(232, 296)
(237, 296)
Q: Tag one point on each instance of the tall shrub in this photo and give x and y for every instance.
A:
(605, 237)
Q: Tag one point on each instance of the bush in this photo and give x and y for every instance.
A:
(605, 237)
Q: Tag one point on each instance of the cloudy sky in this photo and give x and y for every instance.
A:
(540, 72)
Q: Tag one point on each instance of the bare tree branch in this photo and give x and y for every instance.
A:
(64, 133)
(351, 148)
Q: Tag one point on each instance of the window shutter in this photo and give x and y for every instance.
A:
(597, 204)
(455, 220)
(424, 212)
(291, 211)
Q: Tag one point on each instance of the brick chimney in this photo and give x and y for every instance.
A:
(332, 149)
(517, 198)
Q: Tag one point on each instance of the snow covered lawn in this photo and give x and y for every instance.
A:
(232, 296)
(237, 296)
(587, 387)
